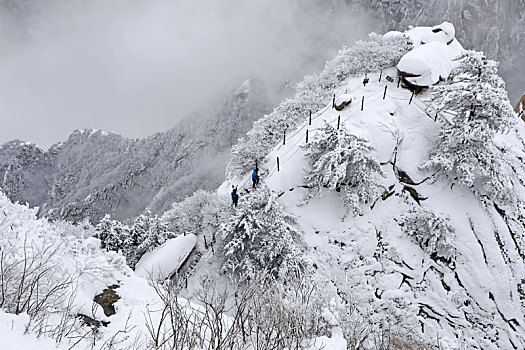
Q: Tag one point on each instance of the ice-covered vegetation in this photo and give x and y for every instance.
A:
(340, 160)
(434, 233)
(478, 107)
(260, 236)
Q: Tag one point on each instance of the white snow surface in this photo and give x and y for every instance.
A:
(429, 63)
(165, 260)
(12, 334)
(474, 303)
(93, 269)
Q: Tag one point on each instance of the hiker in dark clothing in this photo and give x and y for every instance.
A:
(255, 177)
(235, 197)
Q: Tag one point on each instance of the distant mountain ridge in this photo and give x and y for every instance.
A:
(93, 172)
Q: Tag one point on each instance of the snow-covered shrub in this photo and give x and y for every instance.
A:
(260, 236)
(200, 213)
(434, 233)
(465, 148)
(49, 273)
(372, 55)
(340, 160)
(267, 314)
(313, 93)
(147, 232)
(29, 282)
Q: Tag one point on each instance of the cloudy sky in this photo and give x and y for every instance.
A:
(134, 67)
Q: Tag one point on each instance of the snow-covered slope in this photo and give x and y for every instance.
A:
(474, 299)
(64, 269)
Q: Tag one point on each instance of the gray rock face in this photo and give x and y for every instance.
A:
(493, 26)
(94, 172)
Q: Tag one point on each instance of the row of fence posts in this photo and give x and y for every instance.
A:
(362, 109)
(338, 126)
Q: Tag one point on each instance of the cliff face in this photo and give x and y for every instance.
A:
(492, 26)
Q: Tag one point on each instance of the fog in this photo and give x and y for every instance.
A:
(135, 67)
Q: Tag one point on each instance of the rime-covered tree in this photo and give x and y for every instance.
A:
(434, 233)
(113, 235)
(260, 236)
(200, 213)
(157, 233)
(465, 148)
(340, 160)
(146, 233)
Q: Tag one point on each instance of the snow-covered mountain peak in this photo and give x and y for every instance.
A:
(431, 236)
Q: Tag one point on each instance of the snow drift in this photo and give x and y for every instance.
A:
(165, 260)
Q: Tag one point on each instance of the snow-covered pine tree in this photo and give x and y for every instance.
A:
(159, 232)
(146, 233)
(150, 231)
(465, 148)
(200, 213)
(113, 235)
(138, 233)
(434, 233)
(260, 236)
(340, 160)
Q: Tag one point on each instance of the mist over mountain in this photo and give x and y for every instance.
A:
(94, 173)
(137, 67)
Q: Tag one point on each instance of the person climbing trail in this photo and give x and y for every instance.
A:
(235, 197)
(255, 177)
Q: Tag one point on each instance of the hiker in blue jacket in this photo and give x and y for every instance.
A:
(235, 197)
(255, 177)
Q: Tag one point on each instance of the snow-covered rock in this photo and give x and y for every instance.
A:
(520, 106)
(426, 64)
(444, 33)
(432, 58)
(343, 98)
(165, 260)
